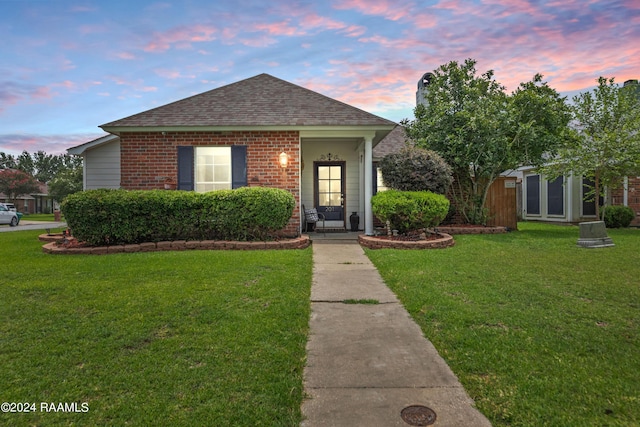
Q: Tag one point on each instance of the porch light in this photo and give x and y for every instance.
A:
(283, 159)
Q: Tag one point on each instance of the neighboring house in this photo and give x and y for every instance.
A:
(235, 136)
(38, 202)
(564, 200)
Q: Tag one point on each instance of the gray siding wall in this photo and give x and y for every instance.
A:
(102, 166)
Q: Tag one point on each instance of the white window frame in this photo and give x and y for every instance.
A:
(216, 154)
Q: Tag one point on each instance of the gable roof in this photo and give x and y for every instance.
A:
(395, 141)
(262, 100)
(80, 149)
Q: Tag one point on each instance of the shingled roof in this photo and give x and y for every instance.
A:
(262, 100)
(395, 141)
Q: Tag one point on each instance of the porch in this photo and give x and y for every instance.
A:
(335, 176)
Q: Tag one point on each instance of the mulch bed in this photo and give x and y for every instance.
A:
(431, 241)
(411, 237)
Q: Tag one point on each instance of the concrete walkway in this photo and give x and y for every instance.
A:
(367, 362)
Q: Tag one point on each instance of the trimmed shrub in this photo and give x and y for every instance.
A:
(416, 169)
(618, 216)
(410, 210)
(109, 217)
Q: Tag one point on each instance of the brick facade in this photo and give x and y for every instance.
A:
(633, 200)
(149, 158)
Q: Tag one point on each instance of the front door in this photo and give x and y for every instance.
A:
(329, 189)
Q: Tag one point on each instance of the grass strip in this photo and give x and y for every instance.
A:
(538, 330)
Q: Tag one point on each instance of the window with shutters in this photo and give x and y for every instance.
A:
(212, 168)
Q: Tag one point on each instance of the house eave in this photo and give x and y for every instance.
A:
(376, 132)
(80, 149)
(229, 128)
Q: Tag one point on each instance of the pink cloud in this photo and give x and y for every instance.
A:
(453, 5)
(92, 29)
(126, 56)
(372, 86)
(425, 20)
(398, 44)
(388, 9)
(12, 93)
(68, 84)
(257, 41)
(137, 85)
(172, 74)
(282, 28)
(512, 7)
(313, 21)
(182, 37)
(51, 144)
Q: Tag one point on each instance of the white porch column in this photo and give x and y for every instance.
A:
(368, 185)
(625, 191)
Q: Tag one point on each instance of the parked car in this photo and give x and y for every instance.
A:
(11, 207)
(7, 216)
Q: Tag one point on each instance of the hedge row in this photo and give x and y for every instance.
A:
(618, 216)
(410, 210)
(109, 217)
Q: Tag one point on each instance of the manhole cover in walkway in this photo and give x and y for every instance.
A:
(418, 415)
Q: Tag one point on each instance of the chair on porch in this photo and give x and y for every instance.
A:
(311, 218)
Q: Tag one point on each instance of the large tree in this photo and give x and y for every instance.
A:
(44, 167)
(607, 143)
(482, 131)
(14, 183)
(67, 182)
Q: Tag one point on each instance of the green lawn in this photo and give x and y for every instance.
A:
(39, 217)
(539, 331)
(166, 338)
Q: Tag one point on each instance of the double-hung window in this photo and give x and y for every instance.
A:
(212, 168)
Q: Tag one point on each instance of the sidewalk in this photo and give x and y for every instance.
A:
(367, 362)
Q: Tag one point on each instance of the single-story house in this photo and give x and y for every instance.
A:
(262, 131)
(563, 200)
(38, 202)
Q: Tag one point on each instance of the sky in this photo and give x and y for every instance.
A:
(69, 66)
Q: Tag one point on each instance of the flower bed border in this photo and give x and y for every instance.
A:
(178, 245)
(373, 242)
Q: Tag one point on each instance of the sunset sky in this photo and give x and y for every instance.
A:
(67, 67)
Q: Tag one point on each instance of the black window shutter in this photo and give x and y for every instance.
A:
(374, 179)
(185, 168)
(238, 166)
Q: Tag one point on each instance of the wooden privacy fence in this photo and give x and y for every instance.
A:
(502, 203)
